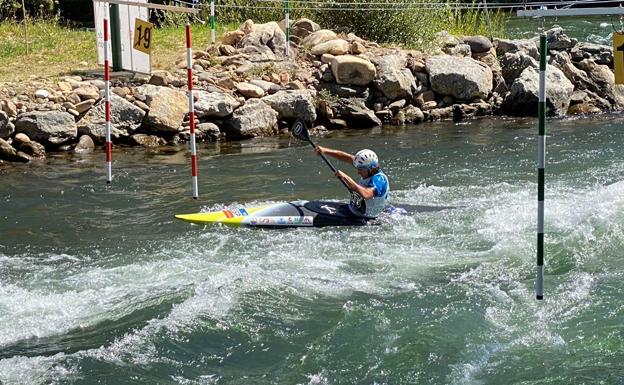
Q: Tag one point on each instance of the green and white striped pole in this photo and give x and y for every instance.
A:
(287, 11)
(213, 33)
(541, 161)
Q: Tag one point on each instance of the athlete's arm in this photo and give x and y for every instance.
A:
(340, 155)
(364, 192)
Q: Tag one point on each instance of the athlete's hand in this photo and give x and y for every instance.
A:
(320, 150)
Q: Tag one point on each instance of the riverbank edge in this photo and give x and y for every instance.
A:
(249, 85)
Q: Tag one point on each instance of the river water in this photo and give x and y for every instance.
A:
(101, 285)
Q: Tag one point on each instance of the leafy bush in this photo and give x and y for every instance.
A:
(12, 9)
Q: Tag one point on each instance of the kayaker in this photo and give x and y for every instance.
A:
(371, 192)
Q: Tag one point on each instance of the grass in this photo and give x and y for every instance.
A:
(56, 50)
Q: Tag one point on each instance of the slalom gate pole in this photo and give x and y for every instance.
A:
(541, 162)
(213, 33)
(287, 11)
(107, 106)
(189, 66)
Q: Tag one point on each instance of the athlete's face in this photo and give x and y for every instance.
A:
(363, 172)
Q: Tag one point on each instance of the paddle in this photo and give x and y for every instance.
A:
(300, 131)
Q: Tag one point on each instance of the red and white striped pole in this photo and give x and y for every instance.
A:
(109, 146)
(189, 69)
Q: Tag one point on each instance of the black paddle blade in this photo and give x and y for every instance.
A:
(300, 131)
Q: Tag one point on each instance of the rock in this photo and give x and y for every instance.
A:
(6, 127)
(348, 69)
(267, 87)
(122, 91)
(333, 47)
(168, 107)
(583, 109)
(255, 118)
(577, 76)
(355, 113)
(207, 131)
(73, 98)
(232, 38)
(227, 50)
(512, 46)
(413, 115)
(600, 54)
(460, 50)
(249, 90)
(327, 58)
(149, 141)
(393, 79)
(268, 35)
(42, 94)
(31, 148)
(292, 105)
(603, 82)
(20, 139)
(161, 78)
(85, 145)
(64, 86)
(304, 27)
(9, 107)
(396, 106)
(99, 84)
(558, 40)
(444, 39)
(7, 152)
(126, 118)
(228, 83)
(345, 91)
(318, 37)
(478, 44)
(357, 48)
(141, 105)
(462, 78)
(52, 128)
(83, 107)
(513, 64)
(523, 99)
(86, 92)
(214, 104)
(491, 60)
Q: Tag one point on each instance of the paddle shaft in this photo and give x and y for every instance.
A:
(329, 164)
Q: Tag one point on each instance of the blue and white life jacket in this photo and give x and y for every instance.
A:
(371, 208)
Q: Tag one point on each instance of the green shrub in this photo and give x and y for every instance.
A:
(12, 9)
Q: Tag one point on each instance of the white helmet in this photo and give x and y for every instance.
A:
(366, 159)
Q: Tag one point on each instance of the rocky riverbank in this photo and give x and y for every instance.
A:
(247, 87)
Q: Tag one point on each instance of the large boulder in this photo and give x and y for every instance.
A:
(214, 104)
(355, 113)
(318, 37)
(524, 96)
(293, 105)
(168, 107)
(513, 64)
(348, 69)
(249, 90)
(393, 79)
(333, 47)
(255, 118)
(269, 35)
(478, 44)
(461, 78)
(603, 80)
(577, 76)
(7, 152)
(512, 46)
(304, 27)
(50, 128)
(600, 54)
(125, 117)
(558, 40)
